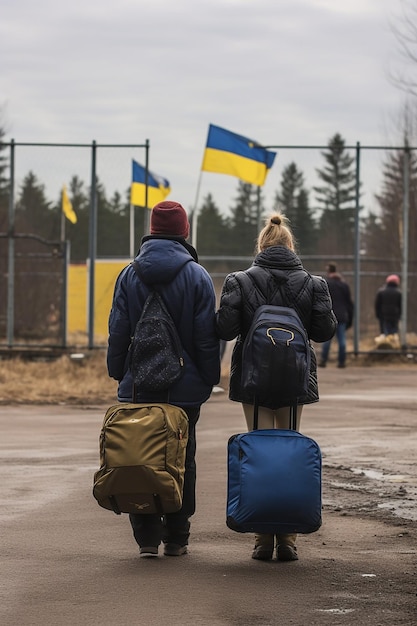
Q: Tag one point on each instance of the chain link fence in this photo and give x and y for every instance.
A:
(34, 271)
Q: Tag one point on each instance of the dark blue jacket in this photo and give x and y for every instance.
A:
(189, 294)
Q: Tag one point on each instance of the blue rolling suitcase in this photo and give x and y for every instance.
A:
(274, 481)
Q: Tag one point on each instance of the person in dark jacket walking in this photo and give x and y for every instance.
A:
(166, 259)
(343, 309)
(280, 280)
(388, 305)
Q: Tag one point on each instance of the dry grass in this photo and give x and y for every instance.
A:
(64, 380)
(84, 382)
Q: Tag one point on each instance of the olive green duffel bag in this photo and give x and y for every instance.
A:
(142, 458)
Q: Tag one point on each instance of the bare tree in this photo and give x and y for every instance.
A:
(4, 174)
(404, 28)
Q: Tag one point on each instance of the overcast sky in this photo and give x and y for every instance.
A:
(281, 72)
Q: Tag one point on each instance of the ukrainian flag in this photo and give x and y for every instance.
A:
(158, 187)
(228, 153)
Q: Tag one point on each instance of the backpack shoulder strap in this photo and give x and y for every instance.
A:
(155, 290)
(251, 278)
(152, 288)
(247, 278)
(136, 269)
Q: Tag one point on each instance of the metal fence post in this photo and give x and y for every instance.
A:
(357, 285)
(66, 246)
(404, 270)
(147, 210)
(11, 252)
(92, 247)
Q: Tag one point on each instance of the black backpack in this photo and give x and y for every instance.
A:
(276, 357)
(156, 358)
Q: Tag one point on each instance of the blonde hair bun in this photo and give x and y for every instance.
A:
(270, 235)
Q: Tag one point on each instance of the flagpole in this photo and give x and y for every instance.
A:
(147, 209)
(195, 213)
(132, 231)
(258, 208)
(62, 223)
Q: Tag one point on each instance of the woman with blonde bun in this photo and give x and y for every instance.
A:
(279, 278)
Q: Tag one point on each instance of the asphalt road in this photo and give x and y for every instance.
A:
(65, 561)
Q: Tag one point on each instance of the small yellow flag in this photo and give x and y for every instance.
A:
(67, 209)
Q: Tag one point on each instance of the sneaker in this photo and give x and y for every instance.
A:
(322, 363)
(286, 553)
(148, 552)
(174, 549)
(341, 365)
(263, 553)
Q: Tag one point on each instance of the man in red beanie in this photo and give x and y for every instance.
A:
(388, 305)
(166, 259)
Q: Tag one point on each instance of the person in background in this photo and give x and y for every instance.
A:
(280, 280)
(388, 305)
(166, 259)
(343, 309)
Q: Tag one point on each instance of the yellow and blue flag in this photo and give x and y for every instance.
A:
(67, 209)
(158, 187)
(228, 153)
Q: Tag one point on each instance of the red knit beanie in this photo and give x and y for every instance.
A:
(169, 218)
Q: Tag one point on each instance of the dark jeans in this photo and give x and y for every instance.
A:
(389, 327)
(341, 340)
(150, 530)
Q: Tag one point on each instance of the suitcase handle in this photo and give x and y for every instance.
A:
(134, 395)
(292, 420)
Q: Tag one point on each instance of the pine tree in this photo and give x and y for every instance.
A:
(292, 199)
(33, 210)
(119, 225)
(213, 238)
(112, 226)
(245, 220)
(337, 199)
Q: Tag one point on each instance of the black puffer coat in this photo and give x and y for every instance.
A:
(278, 278)
(388, 303)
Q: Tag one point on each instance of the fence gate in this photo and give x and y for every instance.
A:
(33, 294)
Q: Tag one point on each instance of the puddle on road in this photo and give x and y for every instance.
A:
(336, 611)
(378, 475)
(405, 507)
